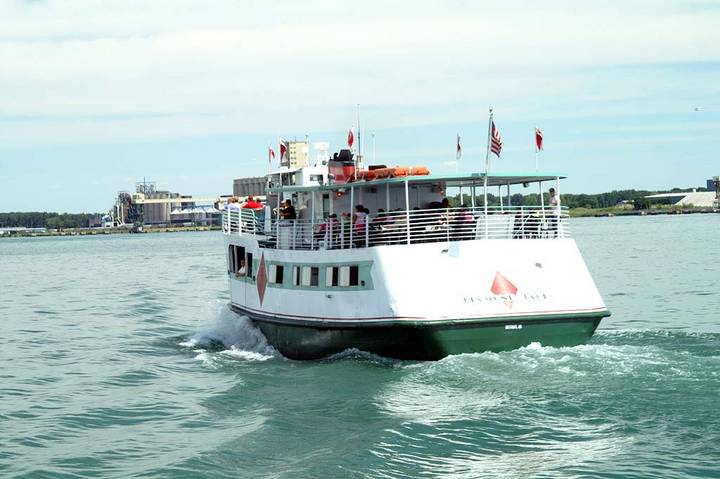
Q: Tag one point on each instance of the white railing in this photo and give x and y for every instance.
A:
(401, 227)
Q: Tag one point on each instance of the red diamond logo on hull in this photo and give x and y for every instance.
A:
(261, 279)
(502, 286)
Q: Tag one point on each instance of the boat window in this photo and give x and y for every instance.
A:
(314, 276)
(354, 275)
(296, 275)
(249, 265)
(305, 278)
(235, 253)
(278, 277)
(332, 276)
(231, 258)
(344, 276)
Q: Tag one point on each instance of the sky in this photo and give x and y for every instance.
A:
(97, 95)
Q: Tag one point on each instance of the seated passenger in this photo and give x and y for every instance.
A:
(252, 204)
(287, 211)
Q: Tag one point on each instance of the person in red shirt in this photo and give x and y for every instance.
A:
(252, 204)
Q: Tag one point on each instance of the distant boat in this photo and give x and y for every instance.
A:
(419, 280)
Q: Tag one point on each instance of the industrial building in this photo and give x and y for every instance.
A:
(699, 199)
(152, 207)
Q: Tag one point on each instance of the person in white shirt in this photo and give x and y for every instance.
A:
(241, 271)
(553, 202)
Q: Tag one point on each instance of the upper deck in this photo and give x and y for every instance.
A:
(396, 211)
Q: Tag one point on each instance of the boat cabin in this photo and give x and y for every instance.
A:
(392, 206)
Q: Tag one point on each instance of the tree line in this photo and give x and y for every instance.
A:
(42, 219)
(571, 200)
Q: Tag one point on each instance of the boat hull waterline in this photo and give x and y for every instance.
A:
(424, 340)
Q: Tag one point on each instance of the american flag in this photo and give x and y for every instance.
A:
(495, 140)
(351, 137)
(271, 153)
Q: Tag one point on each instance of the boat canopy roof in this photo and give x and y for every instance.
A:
(451, 180)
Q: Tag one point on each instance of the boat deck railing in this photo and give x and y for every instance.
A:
(400, 227)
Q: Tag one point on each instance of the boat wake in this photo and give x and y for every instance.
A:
(229, 336)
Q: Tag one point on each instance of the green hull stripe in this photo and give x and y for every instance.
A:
(415, 323)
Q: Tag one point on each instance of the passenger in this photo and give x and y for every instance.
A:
(553, 202)
(359, 221)
(241, 271)
(400, 225)
(233, 209)
(252, 204)
(462, 224)
(287, 211)
(445, 203)
(232, 204)
(329, 230)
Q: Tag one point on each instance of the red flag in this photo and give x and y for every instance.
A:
(538, 139)
(351, 137)
(271, 153)
(458, 148)
(283, 150)
(495, 140)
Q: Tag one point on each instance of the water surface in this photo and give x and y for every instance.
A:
(119, 359)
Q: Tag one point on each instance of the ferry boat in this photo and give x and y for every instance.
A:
(416, 278)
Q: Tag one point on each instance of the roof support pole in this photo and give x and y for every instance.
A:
(312, 220)
(558, 210)
(500, 196)
(352, 205)
(542, 205)
(407, 210)
(387, 197)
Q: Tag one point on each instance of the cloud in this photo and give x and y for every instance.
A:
(185, 68)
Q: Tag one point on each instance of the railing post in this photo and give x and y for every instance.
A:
(294, 233)
(557, 209)
(447, 223)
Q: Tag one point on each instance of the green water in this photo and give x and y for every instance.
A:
(118, 359)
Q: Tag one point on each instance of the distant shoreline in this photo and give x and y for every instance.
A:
(574, 213)
(109, 231)
(610, 212)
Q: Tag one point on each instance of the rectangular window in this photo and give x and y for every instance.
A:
(305, 279)
(354, 275)
(231, 259)
(344, 276)
(271, 273)
(314, 276)
(279, 270)
(296, 275)
(332, 276)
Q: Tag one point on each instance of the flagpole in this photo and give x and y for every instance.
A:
(537, 165)
(458, 157)
(359, 138)
(487, 169)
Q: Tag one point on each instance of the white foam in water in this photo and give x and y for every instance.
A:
(236, 333)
